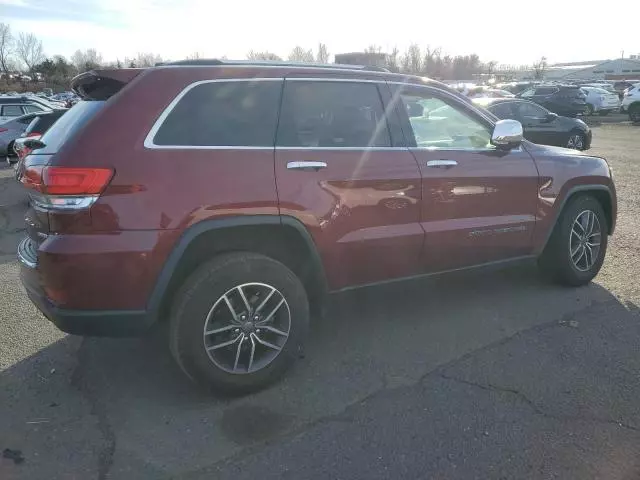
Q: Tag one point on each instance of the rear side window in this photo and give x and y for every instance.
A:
(12, 111)
(332, 115)
(546, 90)
(42, 123)
(572, 92)
(68, 125)
(502, 110)
(221, 114)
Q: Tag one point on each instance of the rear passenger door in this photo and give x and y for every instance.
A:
(342, 171)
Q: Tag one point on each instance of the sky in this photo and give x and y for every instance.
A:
(507, 32)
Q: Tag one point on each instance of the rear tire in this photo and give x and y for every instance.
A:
(567, 259)
(588, 110)
(204, 304)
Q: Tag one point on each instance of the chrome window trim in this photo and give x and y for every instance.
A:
(149, 139)
(149, 143)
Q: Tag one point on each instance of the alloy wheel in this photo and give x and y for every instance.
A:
(575, 142)
(584, 241)
(247, 328)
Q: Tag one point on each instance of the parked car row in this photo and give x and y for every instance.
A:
(573, 98)
(15, 133)
(600, 101)
(539, 124)
(631, 102)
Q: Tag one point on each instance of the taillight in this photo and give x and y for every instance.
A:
(3, 129)
(32, 178)
(23, 152)
(33, 134)
(76, 181)
(64, 187)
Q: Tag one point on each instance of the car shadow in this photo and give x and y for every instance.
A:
(369, 340)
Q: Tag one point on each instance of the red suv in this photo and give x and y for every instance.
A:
(228, 198)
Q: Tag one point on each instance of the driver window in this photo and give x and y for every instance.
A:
(437, 124)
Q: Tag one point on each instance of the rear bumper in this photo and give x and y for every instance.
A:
(588, 138)
(77, 321)
(101, 323)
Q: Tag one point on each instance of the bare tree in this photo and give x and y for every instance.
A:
(195, 56)
(412, 60)
(253, 55)
(540, 68)
(490, 67)
(6, 47)
(86, 60)
(29, 50)
(323, 54)
(392, 61)
(299, 54)
(147, 59)
(373, 48)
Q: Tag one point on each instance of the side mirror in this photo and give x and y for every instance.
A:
(507, 134)
(550, 117)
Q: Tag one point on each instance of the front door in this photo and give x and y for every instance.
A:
(479, 203)
(340, 173)
(538, 126)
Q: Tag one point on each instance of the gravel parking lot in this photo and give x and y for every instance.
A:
(485, 375)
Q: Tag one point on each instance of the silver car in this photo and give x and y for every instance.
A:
(11, 130)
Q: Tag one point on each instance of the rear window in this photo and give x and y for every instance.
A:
(68, 125)
(42, 123)
(221, 114)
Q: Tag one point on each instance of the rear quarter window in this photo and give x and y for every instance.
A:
(222, 114)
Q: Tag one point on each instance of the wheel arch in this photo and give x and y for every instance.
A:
(602, 193)
(282, 238)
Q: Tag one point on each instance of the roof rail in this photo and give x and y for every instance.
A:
(216, 62)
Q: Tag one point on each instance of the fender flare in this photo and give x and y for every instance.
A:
(190, 234)
(570, 193)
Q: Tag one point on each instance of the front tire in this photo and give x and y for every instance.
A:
(238, 322)
(577, 247)
(588, 110)
(576, 140)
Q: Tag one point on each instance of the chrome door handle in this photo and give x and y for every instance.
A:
(441, 163)
(315, 166)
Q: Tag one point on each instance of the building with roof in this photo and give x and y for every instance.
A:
(616, 69)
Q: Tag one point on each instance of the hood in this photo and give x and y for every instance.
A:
(558, 152)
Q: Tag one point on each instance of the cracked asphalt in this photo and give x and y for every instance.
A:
(483, 375)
